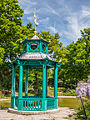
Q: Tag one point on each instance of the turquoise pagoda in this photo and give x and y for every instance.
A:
(35, 55)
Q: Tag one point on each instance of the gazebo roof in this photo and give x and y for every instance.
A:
(35, 37)
(35, 56)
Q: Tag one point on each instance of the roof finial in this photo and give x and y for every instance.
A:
(35, 22)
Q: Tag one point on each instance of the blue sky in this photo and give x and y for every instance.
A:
(67, 17)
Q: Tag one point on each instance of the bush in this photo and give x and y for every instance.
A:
(1, 107)
(7, 95)
(2, 95)
(80, 112)
(62, 89)
(69, 93)
(73, 93)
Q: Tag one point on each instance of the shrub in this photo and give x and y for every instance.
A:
(1, 95)
(69, 93)
(7, 95)
(1, 107)
(80, 111)
(83, 89)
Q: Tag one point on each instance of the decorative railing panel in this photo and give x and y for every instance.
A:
(50, 103)
(35, 103)
(31, 104)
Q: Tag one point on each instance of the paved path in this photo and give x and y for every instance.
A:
(64, 112)
(1, 99)
(67, 96)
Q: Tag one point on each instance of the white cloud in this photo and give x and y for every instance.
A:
(53, 29)
(52, 10)
(27, 2)
(73, 27)
(28, 6)
(76, 21)
(44, 20)
(30, 18)
(27, 11)
(47, 9)
(69, 20)
(85, 11)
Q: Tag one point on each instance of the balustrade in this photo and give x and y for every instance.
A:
(34, 103)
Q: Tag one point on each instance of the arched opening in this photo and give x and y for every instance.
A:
(33, 46)
(43, 47)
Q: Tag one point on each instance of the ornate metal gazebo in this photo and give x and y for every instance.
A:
(35, 55)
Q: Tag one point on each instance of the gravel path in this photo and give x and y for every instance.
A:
(64, 112)
(67, 96)
(2, 99)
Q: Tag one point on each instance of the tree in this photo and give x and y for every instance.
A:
(1, 55)
(56, 49)
(10, 36)
(12, 33)
(77, 67)
(10, 27)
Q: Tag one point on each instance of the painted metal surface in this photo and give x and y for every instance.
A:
(34, 57)
(26, 82)
(55, 81)
(40, 42)
(36, 103)
(13, 88)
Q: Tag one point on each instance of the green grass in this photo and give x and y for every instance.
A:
(29, 94)
(62, 102)
(5, 96)
(5, 104)
(2, 95)
(69, 102)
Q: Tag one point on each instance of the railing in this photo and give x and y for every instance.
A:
(50, 103)
(35, 103)
(32, 104)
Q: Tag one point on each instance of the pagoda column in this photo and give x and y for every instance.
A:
(46, 82)
(13, 87)
(56, 84)
(44, 102)
(26, 82)
(20, 102)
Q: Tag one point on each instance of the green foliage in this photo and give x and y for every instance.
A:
(1, 55)
(78, 61)
(5, 76)
(12, 32)
(55, 46)
(36, 81)
(1, 95)
(72, 93)
(75, 58)
(4, 104)
(7, 95)
(10, 27)
(1, 107)
(80, 112)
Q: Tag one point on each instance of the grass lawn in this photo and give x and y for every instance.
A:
(69, 102)
(62, 102)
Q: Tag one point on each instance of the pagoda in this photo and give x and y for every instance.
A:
(35, 56)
